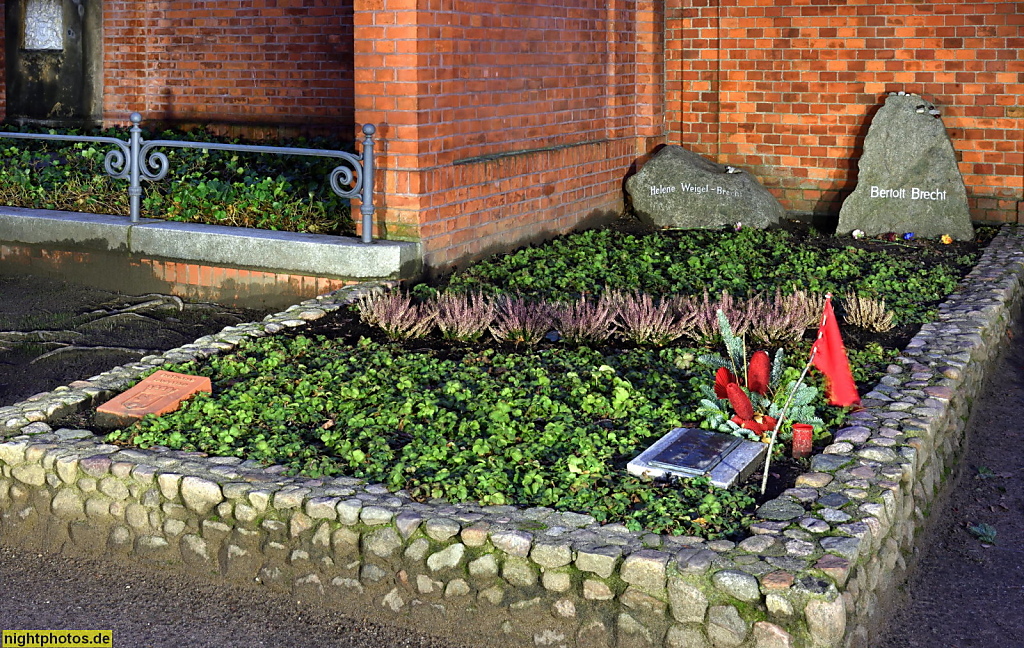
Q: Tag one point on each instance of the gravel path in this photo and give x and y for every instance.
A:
(153, 607)
(965, 592)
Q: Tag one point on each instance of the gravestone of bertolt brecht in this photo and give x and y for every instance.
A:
(680, 189)
(907, 178)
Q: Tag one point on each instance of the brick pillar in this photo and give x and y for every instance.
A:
(693, 73)
(650, 75)
(388, 72)
(650, 66)
(504, 122)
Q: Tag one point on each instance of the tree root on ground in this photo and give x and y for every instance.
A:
(71, 349)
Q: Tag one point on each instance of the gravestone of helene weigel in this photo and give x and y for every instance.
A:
(907, 177)
(682, 190)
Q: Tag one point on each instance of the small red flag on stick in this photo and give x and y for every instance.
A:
(829, 357)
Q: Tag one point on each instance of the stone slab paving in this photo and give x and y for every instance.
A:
(822, 562)
(292, 252)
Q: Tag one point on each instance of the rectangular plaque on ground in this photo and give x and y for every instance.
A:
(158, 394)
(688, 452)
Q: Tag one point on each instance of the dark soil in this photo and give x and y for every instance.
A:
(53, 333)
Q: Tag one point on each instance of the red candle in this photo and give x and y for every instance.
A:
(803, 437)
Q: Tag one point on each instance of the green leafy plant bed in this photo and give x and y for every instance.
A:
(263, 191)
(550, 422)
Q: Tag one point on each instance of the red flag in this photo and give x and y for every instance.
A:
(830, 359)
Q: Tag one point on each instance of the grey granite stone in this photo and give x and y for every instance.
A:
(645, 569)
(908, 178)
(737, 584)
(595, 590)
(519, 572)
(556, 581)
(757, 544)
(375, 515)
(726, 627)
(448, 558)
(441, 529)
(780, 509)
(514, 543)
(484, 566)
(846, 547)
(417, 550)
(201, 494)
(834, 515)
(826, 620)
(407, 523)
(679, 188)
(322, 508)
(680, 636)
(382, 542)
(688, 602)
(598, 560)
(829, 462)
(551, 555)
(348, 510)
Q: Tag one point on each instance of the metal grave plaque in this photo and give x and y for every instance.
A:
(689, 452)
(694, 451)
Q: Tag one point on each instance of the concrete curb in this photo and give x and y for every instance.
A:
(821, 564)
(311, 254)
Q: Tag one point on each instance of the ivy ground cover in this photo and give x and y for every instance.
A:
(262, 191)
(549, 424)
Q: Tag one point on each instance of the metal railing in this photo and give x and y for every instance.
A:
(137, 161)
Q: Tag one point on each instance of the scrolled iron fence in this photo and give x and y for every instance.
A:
(136, 160)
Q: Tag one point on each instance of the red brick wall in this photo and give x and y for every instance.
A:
(787, 88)
(272, 63)
(504, 120)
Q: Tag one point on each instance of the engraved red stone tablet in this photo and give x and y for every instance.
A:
(158, 394)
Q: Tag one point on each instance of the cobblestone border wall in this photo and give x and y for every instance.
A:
(821, 561)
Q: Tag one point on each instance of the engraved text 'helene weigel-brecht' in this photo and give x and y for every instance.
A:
(686, 187)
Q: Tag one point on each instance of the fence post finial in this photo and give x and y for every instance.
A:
(134, 180)
(366, 208)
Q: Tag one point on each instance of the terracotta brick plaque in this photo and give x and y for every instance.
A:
(158, 394)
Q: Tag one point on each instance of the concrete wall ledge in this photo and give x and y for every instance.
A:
(821, 565)
(310, 254)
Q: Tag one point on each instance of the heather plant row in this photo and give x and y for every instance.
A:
(910, 277)
(769, 319)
